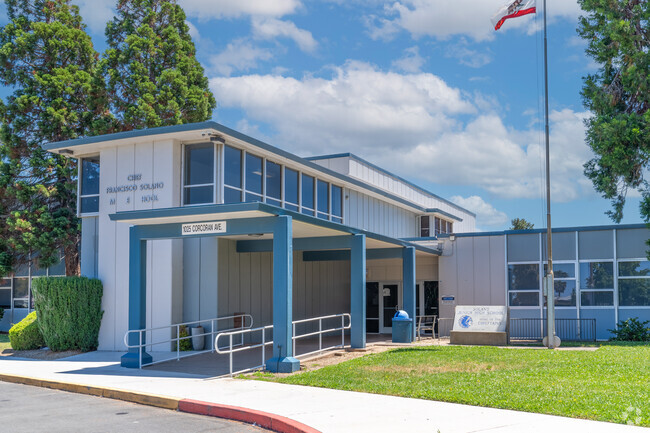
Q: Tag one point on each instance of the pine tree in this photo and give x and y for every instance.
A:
(152, 75)
(618, 98)
(47, 59)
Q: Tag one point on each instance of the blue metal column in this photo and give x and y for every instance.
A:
(358, 292)
(283, 360)
(408, 281)
(137, 298)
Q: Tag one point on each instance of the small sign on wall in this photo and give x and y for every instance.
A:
(448, 300)
(204, 228)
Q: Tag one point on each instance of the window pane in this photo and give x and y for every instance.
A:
(596, 299)
(634, 269)
(323, 196)
(273, 180)
(90, 176)
(290, 186)
(253, 173)
(424, 226)
(437, 225)
(523, 277)
(451, 227)
(524, 299)
(291, 207)
(5, 298)
(562, 270)
(232, 167)
(307, 212)
(322, 216)
(21, 287)
(597, 275)
(252, 197)
(198, 195)
(58, 269)
(307, 192)
(337, 199)
(20, 303)
(337, 220)
(634, 292)
(90, 204)
(199, 164)
(277, 203)
(231, 195)
(5, 282)
(565, 293)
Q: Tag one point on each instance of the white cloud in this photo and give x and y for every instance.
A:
(414, 125)
(467, 56)
(194, 32)
(239, 55)
(486, 214)
(412, 62)
(270, 28)
(96, 13)
(442, 19)
(210, 9)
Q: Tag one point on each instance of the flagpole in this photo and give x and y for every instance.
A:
(548, 279)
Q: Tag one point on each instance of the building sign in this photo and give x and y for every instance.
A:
(477, 318)
(204, 228)
(149, 190)
(448, 300)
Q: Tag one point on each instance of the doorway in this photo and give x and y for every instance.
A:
(382, 300)
(426, 299)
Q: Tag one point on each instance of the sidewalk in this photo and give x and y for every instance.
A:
(323, 409)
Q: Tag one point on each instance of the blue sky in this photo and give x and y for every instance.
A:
(424, 88)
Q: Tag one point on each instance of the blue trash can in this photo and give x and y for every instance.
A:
(402, 327)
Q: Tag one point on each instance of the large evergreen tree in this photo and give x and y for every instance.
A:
(618, 96)
(47, 59)
(152, 75)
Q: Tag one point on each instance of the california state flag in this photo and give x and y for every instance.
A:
(513, 9)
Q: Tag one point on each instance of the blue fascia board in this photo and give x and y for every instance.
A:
(383, 170)
(543, 230)
(250, 140)
(135, 215)
(443, 213)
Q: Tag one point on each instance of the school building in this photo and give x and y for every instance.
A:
(199, 221)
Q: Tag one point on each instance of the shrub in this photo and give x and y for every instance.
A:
(185, 343)
(26, 335)
(69, 311)
(631, 330)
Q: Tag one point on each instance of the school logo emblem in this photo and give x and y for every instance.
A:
(465, 322)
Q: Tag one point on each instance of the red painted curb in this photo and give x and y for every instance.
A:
(263, 419)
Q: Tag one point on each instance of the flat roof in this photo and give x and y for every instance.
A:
(543, 230)
(211, 125)
(304, 225)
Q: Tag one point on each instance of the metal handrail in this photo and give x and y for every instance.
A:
(142, 334)
(322, 331)
(230, 350)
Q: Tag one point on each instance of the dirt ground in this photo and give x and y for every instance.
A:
(43, 354)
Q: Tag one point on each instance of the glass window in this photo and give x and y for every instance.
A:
(425, 221)
(437, 226)
(232, 167)
(57, 269)
(634, 269)
(253, 178)
(323, 196)
(565, 293)
(634, 292)
(562, 270)
(21, 292)
(273, 183)
(5, 292)
(596, 299)
(524, 299)
(597, 275)
(523, 277)
(89, 197)
(199, 174)
(337, 203)
(307, 194)
(291, 189)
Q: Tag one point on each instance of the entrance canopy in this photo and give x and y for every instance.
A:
(260, 227)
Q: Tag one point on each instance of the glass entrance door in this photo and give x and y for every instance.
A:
(372, 308)
(427, 299)
(389, 305)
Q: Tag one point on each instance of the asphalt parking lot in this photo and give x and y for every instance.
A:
(28, 409)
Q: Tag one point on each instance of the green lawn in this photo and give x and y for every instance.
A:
(4, 342)
(597, 385)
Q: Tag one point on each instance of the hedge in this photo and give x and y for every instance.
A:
(69, 311)
(26, 335)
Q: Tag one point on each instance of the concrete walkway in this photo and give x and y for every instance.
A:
(323, 409)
